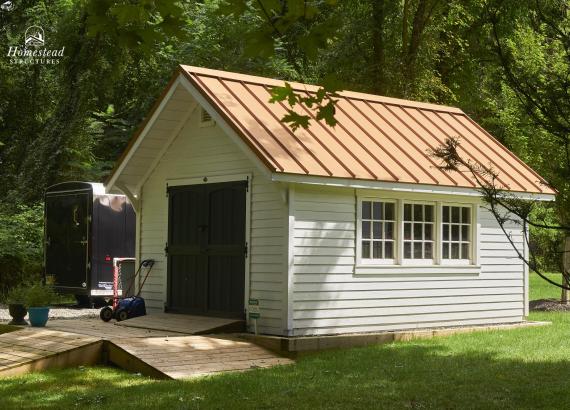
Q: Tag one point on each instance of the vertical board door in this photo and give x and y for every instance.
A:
(206, 249)
(66, 236)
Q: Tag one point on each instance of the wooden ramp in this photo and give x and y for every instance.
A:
(190, 356)
(156, 353)
(105, 330)
(185, 324)
(29, 350)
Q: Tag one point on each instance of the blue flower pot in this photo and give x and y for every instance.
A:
(38, 316)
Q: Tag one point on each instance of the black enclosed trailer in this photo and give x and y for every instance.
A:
(85, 228)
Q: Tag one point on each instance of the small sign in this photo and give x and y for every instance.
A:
(253, 309)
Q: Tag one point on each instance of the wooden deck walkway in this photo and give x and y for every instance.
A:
(192, 356)
(28, 350)
(161, 353)
(186, 324)
(105, 330)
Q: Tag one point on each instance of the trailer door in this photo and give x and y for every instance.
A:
(66, 240)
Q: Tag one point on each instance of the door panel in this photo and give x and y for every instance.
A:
(225, 284)
(186, 279)
(67, 233)
(206, 259)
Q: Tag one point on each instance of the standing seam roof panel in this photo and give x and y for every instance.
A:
(435, 139)
(468, 148)
(376, 138)
(498, 149)
(503, 176)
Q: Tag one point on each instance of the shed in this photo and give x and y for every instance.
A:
(333, 230)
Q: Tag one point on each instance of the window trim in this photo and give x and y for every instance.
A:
(472, 234)
(360, 261)
(400, 265)
(420, 261)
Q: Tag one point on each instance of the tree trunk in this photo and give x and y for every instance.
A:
(566, 266)
(379, 46)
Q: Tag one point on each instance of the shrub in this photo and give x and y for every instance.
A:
(21, 248)
(39, 295)
(17, 294)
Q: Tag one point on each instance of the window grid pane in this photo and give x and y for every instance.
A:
(378, 221)
(456, 232)
(418, 231)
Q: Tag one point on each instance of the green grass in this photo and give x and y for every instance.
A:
(541, 289)
(511, 369)
(7, 328)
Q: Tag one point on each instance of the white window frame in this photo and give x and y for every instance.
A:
(472, 235)
(369, 261)
(399, 265)
(421, 261)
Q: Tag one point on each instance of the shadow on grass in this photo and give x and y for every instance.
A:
(391, 376)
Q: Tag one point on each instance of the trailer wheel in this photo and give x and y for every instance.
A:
(121, 314)
(106, 313)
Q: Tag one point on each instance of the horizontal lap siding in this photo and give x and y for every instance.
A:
(329, 298)
(206, 151)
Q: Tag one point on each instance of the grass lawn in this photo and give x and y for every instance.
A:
(7, 328)
(521, 368)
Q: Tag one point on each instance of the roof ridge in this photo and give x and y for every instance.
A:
(259, 80)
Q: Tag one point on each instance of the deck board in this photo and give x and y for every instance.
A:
(106, 330)
(191, 356)
(167, 348)
(185, 324)
(36, 349)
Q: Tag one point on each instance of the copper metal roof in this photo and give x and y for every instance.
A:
(376, 138)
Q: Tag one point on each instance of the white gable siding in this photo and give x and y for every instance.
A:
(207, 151)
(329, 298)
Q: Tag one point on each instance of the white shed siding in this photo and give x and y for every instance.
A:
(207, 151)
(329, 298)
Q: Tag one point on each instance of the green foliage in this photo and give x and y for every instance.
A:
(21, 236)
(17, 294)
(504, 62)
(546, 243)
(39, 295)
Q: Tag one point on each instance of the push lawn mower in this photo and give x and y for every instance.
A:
(127, 308)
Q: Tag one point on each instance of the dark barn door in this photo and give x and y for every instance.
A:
(206, 249)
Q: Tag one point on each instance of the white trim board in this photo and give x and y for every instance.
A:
(199, 180)
(394, 186)
(175, 133)
(143, 133)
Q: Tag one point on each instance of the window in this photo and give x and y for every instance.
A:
(432, 236)
(378, 220)
(418, 231)
(456, 235)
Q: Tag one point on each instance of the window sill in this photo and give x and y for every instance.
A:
(417, 269)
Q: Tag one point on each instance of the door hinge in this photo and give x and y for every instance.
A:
(245, 250)
(88, 265)
(166, 249)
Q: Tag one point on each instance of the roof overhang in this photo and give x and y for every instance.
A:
(179, 84)
(187, 90)
(396, 187)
